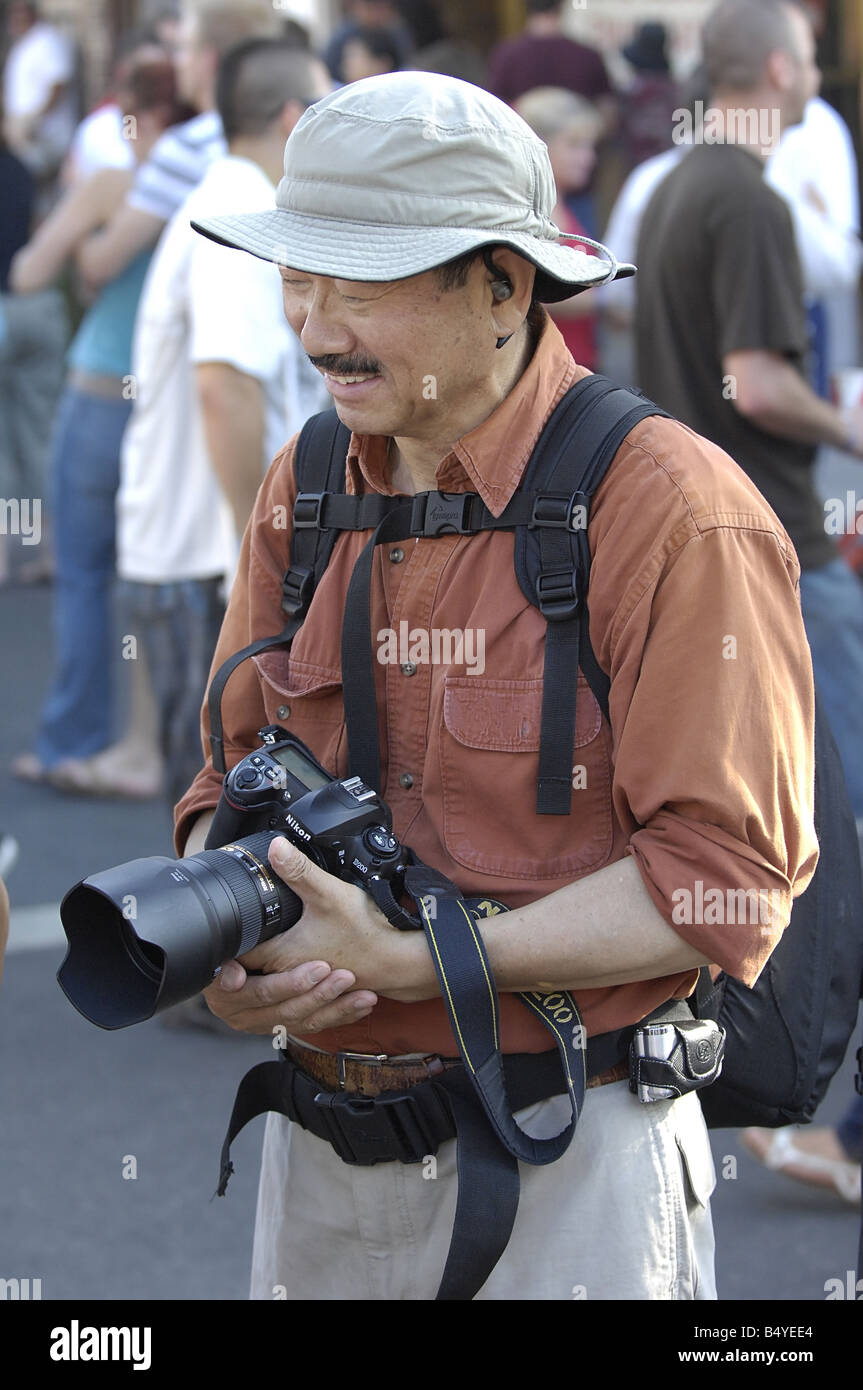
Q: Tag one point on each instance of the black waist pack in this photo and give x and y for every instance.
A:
(787, 1035)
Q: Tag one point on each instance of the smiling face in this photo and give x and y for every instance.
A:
(402, 358)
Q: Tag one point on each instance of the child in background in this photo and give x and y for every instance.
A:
(570, 127)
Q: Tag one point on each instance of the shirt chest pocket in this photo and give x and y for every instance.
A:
(489, 761)
(307, 701)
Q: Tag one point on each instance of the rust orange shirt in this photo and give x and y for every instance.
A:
(705, 774)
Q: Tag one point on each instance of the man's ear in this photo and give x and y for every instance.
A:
(519, 272)
(289, 115)
(781, 70)
(509, 313)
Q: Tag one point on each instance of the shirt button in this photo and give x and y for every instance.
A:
(397, 555)
(408, 668)
(406, 780)
(283, 712)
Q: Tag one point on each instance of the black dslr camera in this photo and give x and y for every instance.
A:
(153, 932)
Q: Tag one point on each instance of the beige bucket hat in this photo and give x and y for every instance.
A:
(392, 175)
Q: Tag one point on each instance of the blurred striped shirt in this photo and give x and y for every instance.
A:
(178, 162)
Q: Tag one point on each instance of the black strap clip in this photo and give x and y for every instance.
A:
(297, 587)
(558, 596)
(380, 1129)
(442, 513)
(559, 511)
(307, 511)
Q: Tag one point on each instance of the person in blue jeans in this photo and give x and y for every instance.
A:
(77, 718)
(33, 338)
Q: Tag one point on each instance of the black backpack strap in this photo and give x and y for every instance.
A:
(319, 459)
(552, 562)
(549, 514)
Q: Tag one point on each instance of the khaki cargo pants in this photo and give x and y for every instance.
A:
(624, 1214)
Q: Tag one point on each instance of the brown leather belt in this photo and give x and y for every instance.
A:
(366, 1074)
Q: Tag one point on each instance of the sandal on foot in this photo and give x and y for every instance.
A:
(777, 1150)
(84, 777)
(28, 768)
(87, 777)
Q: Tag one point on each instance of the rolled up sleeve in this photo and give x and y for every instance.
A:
(714, 754)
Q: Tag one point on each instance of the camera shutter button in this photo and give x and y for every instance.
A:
(248, 777)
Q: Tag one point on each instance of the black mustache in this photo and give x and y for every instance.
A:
(331, 362)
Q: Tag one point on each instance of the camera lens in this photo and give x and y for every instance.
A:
(143, 954)
(153, 932)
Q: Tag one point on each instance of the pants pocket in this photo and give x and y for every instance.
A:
(697, 1180)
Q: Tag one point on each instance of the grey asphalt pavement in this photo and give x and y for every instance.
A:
(79, 1107)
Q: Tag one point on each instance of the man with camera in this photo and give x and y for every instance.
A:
(414, 237)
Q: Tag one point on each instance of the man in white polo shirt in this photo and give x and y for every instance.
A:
(181, 157)
(220, 384)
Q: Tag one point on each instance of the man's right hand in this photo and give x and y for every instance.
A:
(307, 999)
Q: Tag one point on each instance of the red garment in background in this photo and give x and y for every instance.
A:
(578, 334)
(518, 65)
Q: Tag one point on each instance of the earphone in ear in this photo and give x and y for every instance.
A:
(500, 288)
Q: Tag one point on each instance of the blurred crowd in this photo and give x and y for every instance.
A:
(121, 388)
(147, 379)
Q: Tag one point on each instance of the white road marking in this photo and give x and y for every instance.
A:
(36, 928)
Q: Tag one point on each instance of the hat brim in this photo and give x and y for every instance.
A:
(373, 252)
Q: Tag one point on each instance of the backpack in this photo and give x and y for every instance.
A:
(785, 1036)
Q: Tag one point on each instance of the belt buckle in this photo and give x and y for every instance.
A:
(372, 1059)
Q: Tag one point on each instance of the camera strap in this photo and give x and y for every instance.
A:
(470, 997)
